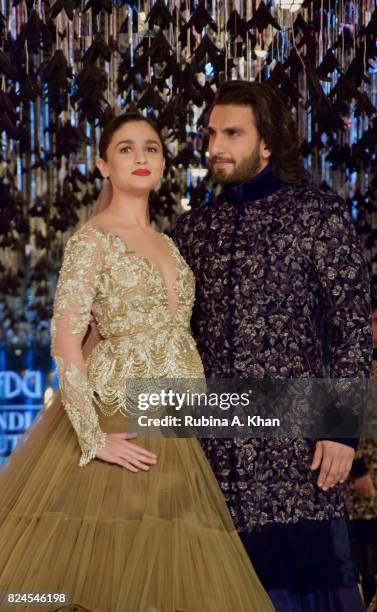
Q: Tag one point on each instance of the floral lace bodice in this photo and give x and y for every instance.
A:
(141, 337)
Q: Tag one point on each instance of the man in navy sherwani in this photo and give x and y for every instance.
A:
(273, 257)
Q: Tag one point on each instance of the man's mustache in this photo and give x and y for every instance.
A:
(221, 159)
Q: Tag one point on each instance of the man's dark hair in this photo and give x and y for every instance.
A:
(114, 124)
(274, 123)
(374, 304)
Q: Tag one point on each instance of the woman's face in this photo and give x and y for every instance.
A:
(134, 158)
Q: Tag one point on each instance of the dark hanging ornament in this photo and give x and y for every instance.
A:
(295, 65)
(339, 156)
(7, 69)
(341, 107)
(29, 88)
(369, 138)
(186, 156)
(124, 26)
(41, 161)
(151, 99)
(173, 117)
(198, 195)
(355, 70)
(317, 5)
(41, 269)
(236, 26)
(323, 113)
(282, 83)
(305, 148)
(187, 38)
(236, 47)
(371, 28)
(157, 48)
(41, 241)
(9, 282)
(90, 86)
(69, 139)
(98, 49)
(57, 75)
(66, 206)
(107, 115)
(8, 126)
(171, 67)
(99, 5)
(3, 27)
(7, 106)
(9, 210)
(63, 5)
(207, 92)
(200, 19)
(347, 85)
(24, 142)
(327, 66)
(344, 40)
(316, 89)
(218, 63)
(29, 3)
(39, 208)
(189, 86)
(159, 83)
(309, 38)
(48, 36)
(206, 50)
(344, 89)
(262, 18)
(31, 32)
(133, 79)
(22, 225)
(159, 16)
(364, 106)
(367, 49)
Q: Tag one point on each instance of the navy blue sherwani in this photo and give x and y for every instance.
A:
(271, 261)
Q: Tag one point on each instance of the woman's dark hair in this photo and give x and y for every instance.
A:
(114, 124)
(274, 123)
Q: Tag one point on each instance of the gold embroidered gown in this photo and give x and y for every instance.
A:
(113, 540)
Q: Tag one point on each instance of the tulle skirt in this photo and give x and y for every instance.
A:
(116, 541)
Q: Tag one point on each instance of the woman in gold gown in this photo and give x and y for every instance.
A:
(119, 525)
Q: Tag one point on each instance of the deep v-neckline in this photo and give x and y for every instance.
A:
(153, 269)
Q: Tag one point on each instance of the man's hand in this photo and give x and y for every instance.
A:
(335, 462)
(363, 486)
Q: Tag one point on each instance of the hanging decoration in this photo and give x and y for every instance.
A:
(67, 66)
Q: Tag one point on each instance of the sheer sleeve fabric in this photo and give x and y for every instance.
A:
(76, 289)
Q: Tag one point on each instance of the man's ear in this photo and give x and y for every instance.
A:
(102, 167)
(264, 151)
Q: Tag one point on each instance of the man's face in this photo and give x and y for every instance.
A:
(236, 151)
(374, 326)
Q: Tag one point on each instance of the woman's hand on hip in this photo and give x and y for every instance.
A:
(119, 450)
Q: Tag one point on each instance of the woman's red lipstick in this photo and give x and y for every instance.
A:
(141, 172)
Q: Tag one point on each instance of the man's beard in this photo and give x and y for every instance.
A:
(244, 171)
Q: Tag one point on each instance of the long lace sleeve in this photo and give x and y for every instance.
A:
(77, 284)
